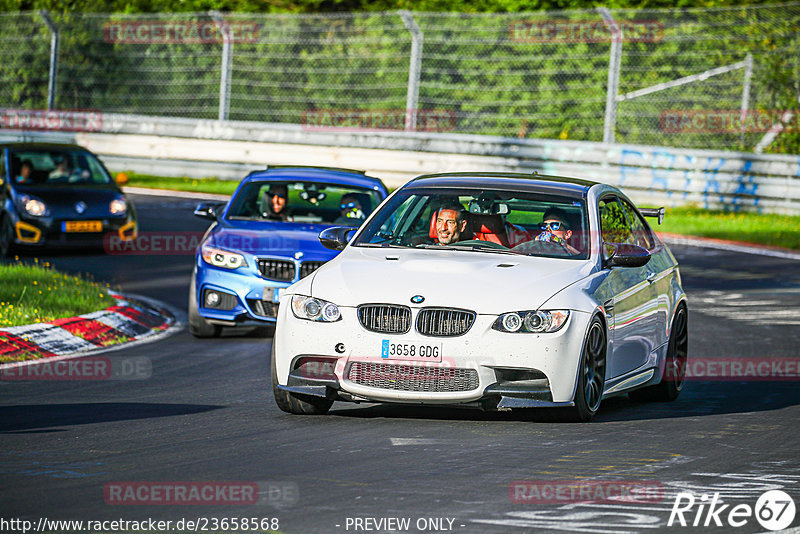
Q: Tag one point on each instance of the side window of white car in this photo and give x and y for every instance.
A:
(639, 229)
(613, 223)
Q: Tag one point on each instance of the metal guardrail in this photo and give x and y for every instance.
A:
(650, 174)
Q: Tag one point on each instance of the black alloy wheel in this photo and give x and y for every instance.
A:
(592, 375)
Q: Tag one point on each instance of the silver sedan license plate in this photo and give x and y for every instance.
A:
(411, 350)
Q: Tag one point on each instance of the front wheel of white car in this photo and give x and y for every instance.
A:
(591, 375)
(296, 404)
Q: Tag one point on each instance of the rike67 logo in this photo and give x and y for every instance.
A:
(774, 510)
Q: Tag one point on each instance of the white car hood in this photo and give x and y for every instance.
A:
(484, 282)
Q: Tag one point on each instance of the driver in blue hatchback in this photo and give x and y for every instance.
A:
(277, 203)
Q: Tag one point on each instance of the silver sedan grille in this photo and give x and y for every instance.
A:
(444, 322)
(385, 318)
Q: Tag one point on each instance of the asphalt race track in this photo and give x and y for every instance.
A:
(207, 415)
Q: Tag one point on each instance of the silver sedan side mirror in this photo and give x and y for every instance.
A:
(626, 255)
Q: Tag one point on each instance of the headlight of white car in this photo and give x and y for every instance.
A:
(531, 321)
(222, 258)
(312, 309)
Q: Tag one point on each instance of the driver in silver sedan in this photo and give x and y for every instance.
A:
(450, 223)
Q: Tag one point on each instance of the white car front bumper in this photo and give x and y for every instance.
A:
(484, 365)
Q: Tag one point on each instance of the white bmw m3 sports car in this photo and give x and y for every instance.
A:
(489, 290)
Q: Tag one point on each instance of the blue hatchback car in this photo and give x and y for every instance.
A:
(267, 236)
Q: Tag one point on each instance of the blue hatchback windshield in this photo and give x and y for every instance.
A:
(517, 222)
(57, 168)
(308, 202)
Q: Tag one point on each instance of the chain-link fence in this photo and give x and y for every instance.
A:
(683, 78)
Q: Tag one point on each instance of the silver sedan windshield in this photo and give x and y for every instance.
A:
(482, 220)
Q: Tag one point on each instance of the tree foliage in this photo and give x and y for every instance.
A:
(472, 68)
(317, 6)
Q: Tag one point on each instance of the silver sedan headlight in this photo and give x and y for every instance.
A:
(537, 321)
(312, 309)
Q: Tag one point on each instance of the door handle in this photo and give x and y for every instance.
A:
(651, 277)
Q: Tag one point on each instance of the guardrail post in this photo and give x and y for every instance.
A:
(226, 67)
(55, 38)
(614, 63)
(415, 66)
(748, 77)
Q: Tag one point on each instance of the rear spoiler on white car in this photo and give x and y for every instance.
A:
(653, 212)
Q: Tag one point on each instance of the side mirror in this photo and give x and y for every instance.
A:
(209, 210)
(121, 178)
(336, 238)
(625, 255)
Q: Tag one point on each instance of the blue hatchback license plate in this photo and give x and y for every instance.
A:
(271, 294)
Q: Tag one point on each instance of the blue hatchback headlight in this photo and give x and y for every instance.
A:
(117, 206)
(33, 206)
(222, 258)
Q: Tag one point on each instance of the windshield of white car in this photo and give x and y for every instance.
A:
(482, 220)
(44, 167)
(306, 202)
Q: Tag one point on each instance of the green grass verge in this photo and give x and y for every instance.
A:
(36, 294)
(763, 229)
(182, 183)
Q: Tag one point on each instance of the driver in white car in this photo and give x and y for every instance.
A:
(450, 223)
